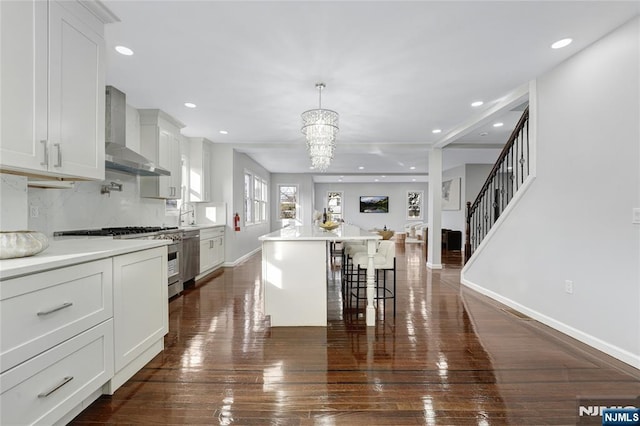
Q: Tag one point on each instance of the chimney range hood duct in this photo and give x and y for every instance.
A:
(117, 155)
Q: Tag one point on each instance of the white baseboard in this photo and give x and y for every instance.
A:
(243, 258)
(434, 265)
(599, 344)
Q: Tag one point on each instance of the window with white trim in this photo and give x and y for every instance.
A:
(255, 199)
(334, 205)
(288, 202)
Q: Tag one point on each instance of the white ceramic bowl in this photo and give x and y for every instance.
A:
(21, 243)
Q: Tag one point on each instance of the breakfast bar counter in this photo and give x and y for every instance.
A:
(294, 273)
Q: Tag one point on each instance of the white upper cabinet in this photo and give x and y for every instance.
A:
(160, 142)
(199, 189)
(52, 96)
(23, 85)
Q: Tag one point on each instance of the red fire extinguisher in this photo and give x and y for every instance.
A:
(236, 222)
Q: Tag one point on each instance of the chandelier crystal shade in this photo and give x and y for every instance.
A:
(320, 127)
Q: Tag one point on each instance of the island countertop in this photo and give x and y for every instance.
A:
(72, 251)
(344, 232)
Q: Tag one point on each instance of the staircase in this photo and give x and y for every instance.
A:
(507, 176)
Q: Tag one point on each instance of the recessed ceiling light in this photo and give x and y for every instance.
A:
(484, 133)
(436, 131)
(561, 43)
(412, 168)
(498, 124)
(223, 132)
(361, 168)
(383, 176)
(190, 105)
(476, 103)
(340, 180)
(413, 180)
(123, 50)
(375, 180)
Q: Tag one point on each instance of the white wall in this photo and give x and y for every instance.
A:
(475, 176)
(575, 220)
(455, 219)
(397, 192)
(472, 177)
(243, 242)
(305, 196)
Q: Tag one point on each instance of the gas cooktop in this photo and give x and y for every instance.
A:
(116, 231)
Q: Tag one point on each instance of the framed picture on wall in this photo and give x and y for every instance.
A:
(374, 204)
(414, 204)
(451, 194)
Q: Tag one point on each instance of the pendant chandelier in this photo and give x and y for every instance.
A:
(320, 127)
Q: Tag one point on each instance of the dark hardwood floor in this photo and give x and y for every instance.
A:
(448, 357)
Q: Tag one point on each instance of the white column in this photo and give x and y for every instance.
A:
(434, 246)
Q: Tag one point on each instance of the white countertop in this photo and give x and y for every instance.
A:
(344, 232)
(196, 226)
(67, 252)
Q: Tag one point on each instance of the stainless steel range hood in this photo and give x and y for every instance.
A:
(117, 155)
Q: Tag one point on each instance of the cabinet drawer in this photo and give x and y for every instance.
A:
(42, 310)
(46, 387)
(208, 233)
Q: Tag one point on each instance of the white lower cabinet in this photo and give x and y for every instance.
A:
(211, 248)
(43, 389)
(52, 306)
(72, 333)
(141, 318)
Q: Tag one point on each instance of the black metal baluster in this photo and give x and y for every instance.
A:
(527, 136)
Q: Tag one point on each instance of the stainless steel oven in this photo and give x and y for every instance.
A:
(174, 260)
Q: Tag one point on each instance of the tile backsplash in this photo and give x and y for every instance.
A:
(13, 202)
(84, 207)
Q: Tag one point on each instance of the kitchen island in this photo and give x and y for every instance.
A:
(294, 273)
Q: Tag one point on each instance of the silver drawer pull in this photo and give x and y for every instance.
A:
(46, 153)
(56, 387)
(59, 163)
(57, 308)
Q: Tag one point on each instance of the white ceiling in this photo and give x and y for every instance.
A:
(394, 71)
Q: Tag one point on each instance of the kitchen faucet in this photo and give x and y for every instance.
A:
(192, 210)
